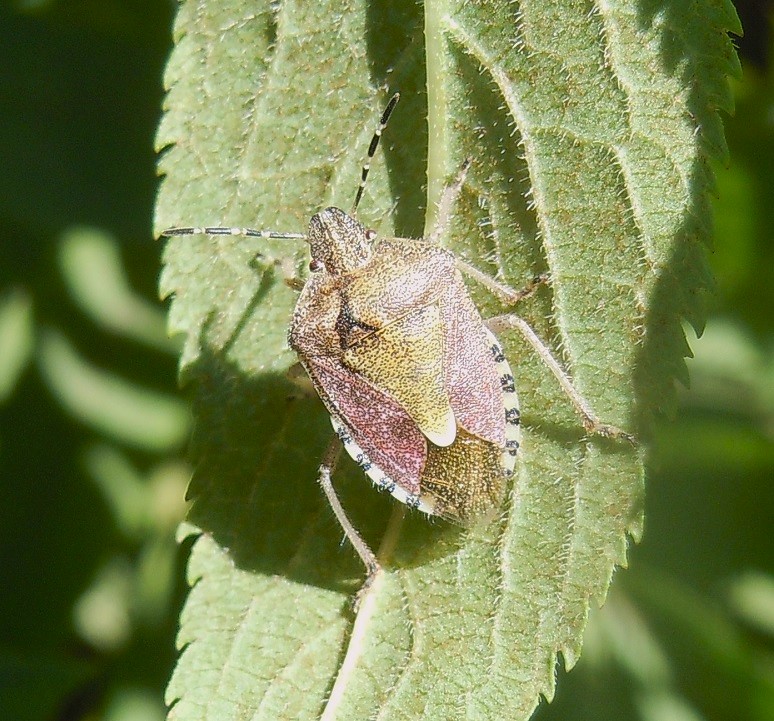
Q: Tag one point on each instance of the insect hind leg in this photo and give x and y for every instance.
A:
(591, 421)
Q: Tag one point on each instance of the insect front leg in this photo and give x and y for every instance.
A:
(367, 556)
(505, 293)
(284, 267)
(591, 422)
(446, 203)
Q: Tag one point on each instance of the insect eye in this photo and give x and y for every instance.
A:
(315, 266)
(370, 234)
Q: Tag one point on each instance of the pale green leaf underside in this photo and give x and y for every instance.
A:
(589, 126)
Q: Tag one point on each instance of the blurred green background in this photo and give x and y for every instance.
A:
(93, 430)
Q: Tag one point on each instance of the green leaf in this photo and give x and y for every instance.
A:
(92, 268)
(108, 403)
(589, 129)
(16, 338)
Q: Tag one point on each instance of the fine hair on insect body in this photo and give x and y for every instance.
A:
(417, 385)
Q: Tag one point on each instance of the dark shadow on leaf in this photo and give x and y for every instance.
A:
(257, 447)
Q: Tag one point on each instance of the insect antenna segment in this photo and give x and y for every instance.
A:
(253, 233)
(373, 146)
(246, 232)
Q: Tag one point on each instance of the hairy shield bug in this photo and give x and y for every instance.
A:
(418, 387)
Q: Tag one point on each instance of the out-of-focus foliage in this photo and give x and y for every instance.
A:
(90, 574)
(92, 431)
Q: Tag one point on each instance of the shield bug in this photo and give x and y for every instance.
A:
(418, 388)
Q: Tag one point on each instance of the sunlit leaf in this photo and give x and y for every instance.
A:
(589, 129)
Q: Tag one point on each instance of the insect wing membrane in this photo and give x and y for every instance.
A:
(376, 431)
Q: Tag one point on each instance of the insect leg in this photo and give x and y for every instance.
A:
(505, 293)
(446, 203)
(591, 422)
(327, 467)
(286, 270)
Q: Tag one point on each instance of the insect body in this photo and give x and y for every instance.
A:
(418, 389)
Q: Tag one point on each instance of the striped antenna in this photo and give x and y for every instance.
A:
(246, 232)
(252, 233)
(373, 146)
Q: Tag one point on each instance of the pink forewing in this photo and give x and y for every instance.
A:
(379, 425)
